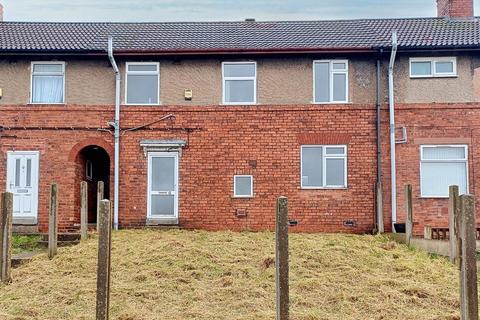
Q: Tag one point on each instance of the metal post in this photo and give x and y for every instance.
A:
(52, 222)
(103, 267)
(281, 259)
(6, 237)
(83, 210)
(409, 213)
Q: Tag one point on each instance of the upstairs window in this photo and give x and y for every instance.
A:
(239, 82)
(48, 82)
(142, 84)
(442, 167)
(323, 167)
(433, 67)
(330, 81)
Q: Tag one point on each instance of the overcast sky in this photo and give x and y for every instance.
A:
(213, 10)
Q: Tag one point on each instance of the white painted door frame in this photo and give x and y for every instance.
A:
(24, 185)
(151, 156)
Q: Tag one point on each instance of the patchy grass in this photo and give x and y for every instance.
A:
(224, 275)
(28, 243)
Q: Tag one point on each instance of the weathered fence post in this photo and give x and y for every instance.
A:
(103, 267)
(281, 259)
(100, 193)
(409, 213)
(83, 210)
(453, 223)
(468, 263)
(53, 222)
(6, 236)
(379, 205)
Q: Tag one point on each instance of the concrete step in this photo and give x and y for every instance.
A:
(22, 258)
(63, 237)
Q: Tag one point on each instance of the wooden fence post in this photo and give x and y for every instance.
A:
(100, 193)
(103, 267)
(281, 259)
(6, 216)
(453, 223)
(409, 213)
(83, 210)
(468, 263)
(53, 222)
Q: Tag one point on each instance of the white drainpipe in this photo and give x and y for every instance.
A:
(391, 98)
(116, 126)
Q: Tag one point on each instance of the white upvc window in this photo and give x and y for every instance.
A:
(142, 83)
(330, 81)
(433, 67)
(442, 166)
(323, 166)
(239, 82)
(48, 82)
(243, 186)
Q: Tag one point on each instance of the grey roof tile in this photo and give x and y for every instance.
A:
(232, 36)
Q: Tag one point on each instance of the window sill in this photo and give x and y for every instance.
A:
(240, 103)
(46, 103)
(435, 76)
(161, 221)
(434, 197)
(242, 197)
(334, 102)
(323, 188)
(142, 105)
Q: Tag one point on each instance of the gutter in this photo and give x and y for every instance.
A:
(391, 98)
(116, 126)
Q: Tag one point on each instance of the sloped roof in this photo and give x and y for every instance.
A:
(360, 34)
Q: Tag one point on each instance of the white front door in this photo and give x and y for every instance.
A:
(163, 185)
(22, 181)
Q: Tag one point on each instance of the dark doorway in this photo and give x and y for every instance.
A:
(96, 167)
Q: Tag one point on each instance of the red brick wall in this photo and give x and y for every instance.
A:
(455, 8)
(428, 124)
(226, 140)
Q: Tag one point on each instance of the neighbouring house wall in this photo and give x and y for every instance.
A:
(225, 143)
(436, 90)
(429, 124)
(287, 80)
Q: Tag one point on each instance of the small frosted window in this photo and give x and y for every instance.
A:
(243, 186)
(47, 83)
(312, 172)
(239, 90)
(335, 172)
(421, 68)
(239, 81)
(444, 67)
(339, 87)
(322, 82)
(143, 85)
(17, 172)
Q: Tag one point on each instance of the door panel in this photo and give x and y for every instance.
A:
(22, 181)
(163, 185)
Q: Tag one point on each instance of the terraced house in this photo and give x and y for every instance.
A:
(204, 125)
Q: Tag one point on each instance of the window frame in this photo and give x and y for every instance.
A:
(324, 166)
(224, 79)
(465, 160)
(235, 195)
(157, 73)
(331, 72)
(433, 63)
(32, 64)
